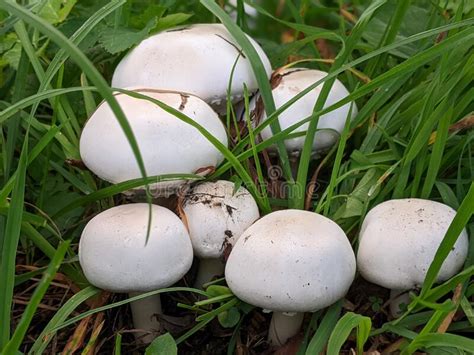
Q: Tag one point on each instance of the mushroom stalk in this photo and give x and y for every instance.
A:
(283, 326)
(208, 268)
(397, 298)
(145, 313)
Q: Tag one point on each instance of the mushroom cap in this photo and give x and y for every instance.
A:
(293, 81)
(291, 261)
(114, 256)
(167, 144)
(197, 59)
(216, 216)
(399, 239)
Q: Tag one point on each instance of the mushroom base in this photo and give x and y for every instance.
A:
(208, 268)
(145, 317)
(284, 326)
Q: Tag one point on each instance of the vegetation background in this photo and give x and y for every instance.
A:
(409, 67)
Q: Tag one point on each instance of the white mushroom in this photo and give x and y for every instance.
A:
(216, 216)
(197, 59)
(289, 83)
(291, 261)
(115, 256)
(167, 144)
(398, 241)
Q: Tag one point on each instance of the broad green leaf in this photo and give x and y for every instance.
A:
(116, 40)
(163, 345)
(170, 21)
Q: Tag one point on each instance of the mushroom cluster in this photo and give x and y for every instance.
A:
(289, 261)
(187, 69)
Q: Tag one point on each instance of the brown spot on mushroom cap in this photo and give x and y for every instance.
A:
(184, 100)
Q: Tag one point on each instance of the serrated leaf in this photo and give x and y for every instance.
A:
(153, 11)
(171, 21)
(163, 345)
(116, 40)
(56, 11)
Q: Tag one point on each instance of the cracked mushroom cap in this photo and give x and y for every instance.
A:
(114, 257)
(291, 261)
(197, 59)
(289, 83)
(216, 216)
(167, 144)
(399, 239)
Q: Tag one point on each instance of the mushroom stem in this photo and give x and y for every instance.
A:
(208, 268)
(397, 298)
(145, 316)
(284, 326)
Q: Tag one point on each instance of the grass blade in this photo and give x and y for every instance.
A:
(20, 332)
(343, 329)
(9, 246)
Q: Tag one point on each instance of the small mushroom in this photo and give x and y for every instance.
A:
(167, 144)
(197, 59)
(290, 262)
(216, 216)
(115, 256)
(398, 241)
(287, 83)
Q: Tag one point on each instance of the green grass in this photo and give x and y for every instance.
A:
(418, 61)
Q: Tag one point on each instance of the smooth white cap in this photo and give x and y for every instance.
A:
(197, 59)
(398, 241)
(291, 261)
(114, 256)
(216, 216)
(293, 81)
(167, 144)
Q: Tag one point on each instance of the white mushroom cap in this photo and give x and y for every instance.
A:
(216, 216)
(398, 241)
(197, 59)
(292, 82)
(114, 256)
(167, 144)
(291, 261)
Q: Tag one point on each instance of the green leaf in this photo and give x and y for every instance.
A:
(217, 290)
(437, 339)
(317, 343)
(116, 40)
(163, 345)
(56, 11)
(229, 318)
(171, 21)
(343, 329)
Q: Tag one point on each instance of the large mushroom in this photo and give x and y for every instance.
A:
(291, 262)
(216, 216)
(167, 144)
(287, 84)
(398, 241)
(116, 256)
(197, 59)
